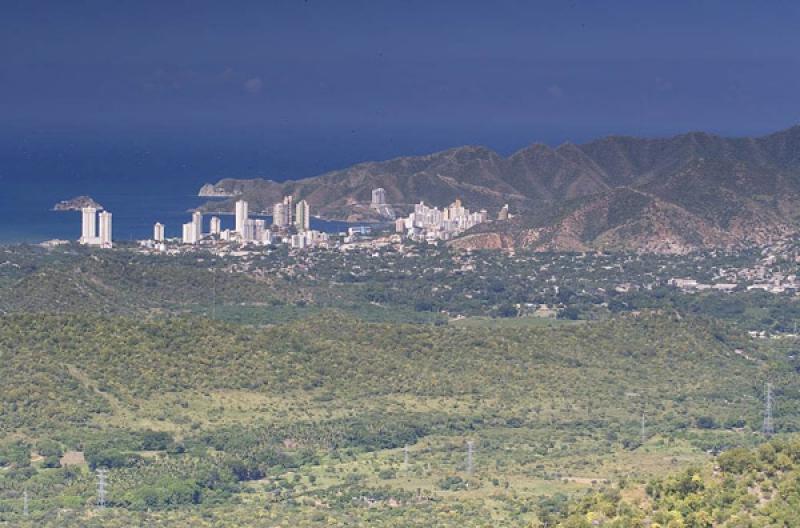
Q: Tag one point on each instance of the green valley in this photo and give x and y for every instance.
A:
(300, 405)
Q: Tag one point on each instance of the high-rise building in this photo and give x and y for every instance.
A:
(158, 232)
(282, 212)
(89, 228)
(197, 222)
(254, 230)
(105, 230)
(241, 216)
(260, 226)
(215, 227)
(379, 204)
(248, 231)
(88, 225)
(189, 233)
(503, 214)
(431, 224)
(279, 215)
(288, 210)
(302, 219)
(378, 196)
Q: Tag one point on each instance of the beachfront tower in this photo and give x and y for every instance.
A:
(197, 224)
(105, 230)
(302, 220)
(88, 225)
(158, 232)
(216, 225)
(241, 216)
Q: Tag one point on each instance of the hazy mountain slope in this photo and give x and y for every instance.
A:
(701, 189)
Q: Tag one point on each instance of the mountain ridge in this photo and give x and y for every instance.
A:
(706, 190)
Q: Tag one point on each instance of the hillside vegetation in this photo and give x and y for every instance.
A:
(747, 487)
(343, 388)
(305, 422)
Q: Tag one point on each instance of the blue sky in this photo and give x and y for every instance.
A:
(399, 77)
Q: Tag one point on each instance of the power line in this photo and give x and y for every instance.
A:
(470, 461)
(102, 473)
(644, 433)
(769, 426)
(214, 293)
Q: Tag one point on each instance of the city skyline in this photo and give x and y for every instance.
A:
(424, 224)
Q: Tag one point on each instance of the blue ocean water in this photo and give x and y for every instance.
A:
(145, 175)
(140, 181)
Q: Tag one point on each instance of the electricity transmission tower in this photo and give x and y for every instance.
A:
(102, 473)
(470, 462)
(214, 293)
(644, 434)
(769, 426)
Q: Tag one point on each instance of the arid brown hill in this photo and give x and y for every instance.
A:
(668, 195)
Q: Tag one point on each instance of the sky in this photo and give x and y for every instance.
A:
(378, 78)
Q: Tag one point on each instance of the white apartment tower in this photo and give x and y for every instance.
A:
(89, 235)
(503, 214)
(197, 223)
(241, 216)
(287, 210)
(378, 196)
(216, 225)
(302, 220)
(248, 231)
(279, 214)
(189, 233)
(88, 225)
(158, 232)
(105, 230)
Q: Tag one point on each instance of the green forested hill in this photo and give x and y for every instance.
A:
(304, 423)
(343, 357)
(278, 389)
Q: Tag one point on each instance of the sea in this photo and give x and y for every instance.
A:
(140, 180)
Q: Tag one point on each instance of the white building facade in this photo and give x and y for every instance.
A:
(158, 232)
(431, 224)
(89, 228)
(242, 212)
(106, 239)
(215, 226)
(302, 217)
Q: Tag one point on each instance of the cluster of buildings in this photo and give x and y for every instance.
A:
(774, 271)
(282, 215)
(90, 234)
(431, 224)
(693, 285)
(774, 282)
(291, 225)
